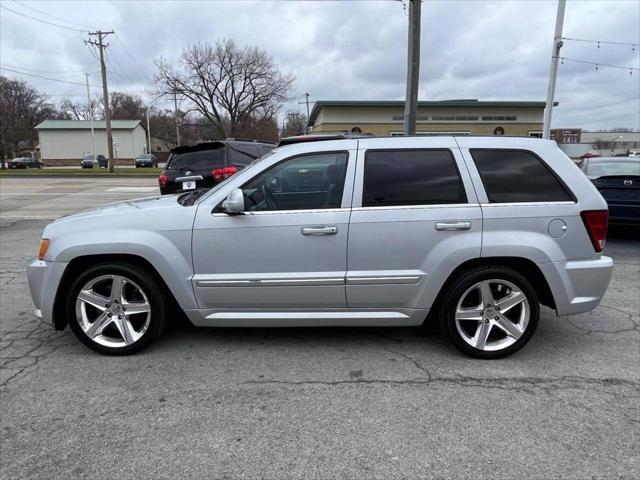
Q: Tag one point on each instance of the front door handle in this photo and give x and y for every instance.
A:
(320, 230)
(448, 226)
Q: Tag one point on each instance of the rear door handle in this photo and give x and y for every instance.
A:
(447, 226)
(320, 230)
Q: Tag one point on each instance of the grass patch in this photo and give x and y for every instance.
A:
(84, 172)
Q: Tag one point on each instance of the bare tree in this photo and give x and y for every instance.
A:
(127, 107)
(70, 110)
(226, 84)
(21, 109)
(294, 124)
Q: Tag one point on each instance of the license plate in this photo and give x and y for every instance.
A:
(191, 185)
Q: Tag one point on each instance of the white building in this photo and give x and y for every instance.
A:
(65, 142)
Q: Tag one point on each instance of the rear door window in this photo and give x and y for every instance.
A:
(411, 177)
(516, 176)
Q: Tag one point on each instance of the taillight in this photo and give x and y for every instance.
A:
(162, 180)
(220, 174)
(596, 221)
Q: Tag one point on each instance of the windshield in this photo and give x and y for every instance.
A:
(205, 159)
(89, 157)
(145, 155)
(612, 167)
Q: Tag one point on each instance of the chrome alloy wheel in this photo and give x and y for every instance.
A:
(492, 315)
(113, 311)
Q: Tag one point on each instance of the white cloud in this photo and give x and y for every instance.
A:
(356, 50)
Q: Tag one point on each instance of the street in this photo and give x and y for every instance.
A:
(309, 403)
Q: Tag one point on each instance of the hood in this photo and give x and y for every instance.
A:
(126, 207)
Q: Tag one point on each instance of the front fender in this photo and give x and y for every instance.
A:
(169, 252)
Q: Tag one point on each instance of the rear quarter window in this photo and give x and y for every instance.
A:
(517, 176)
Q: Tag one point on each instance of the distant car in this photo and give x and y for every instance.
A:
(207, 164)
(618, 180)
(146, 160)
(24, 162)
(90, 160)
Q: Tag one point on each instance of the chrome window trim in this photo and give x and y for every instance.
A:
(526, 204)
(279, 212)
(416, 207)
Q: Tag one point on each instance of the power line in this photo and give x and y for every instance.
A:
(59, 77)
(603, 42)
(44, 78)
(132, 59)
(52, 16)
(589, 112)
(43, 21)
(45, 71)
(121, 73)
(598, 64)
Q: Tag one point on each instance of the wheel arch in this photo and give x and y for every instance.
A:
(78, 264)
(522, 265)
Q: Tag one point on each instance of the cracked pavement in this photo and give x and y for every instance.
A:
(321, 403)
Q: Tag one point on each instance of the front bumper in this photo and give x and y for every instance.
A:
(44, 278)
(578, 285)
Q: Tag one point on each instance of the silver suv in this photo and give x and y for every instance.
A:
(474, 233)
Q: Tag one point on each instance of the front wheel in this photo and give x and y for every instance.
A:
(117, 308)
(490, 312)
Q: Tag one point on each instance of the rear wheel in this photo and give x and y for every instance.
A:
(117, 308)
(490, 312)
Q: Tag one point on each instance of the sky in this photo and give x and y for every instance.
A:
(346, 50)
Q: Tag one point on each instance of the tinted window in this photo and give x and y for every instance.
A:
(242, 155)
(307, 182)
(202, 160)
(411, 177)
(517, 176)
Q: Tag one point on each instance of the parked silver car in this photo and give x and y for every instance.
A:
(472, 232)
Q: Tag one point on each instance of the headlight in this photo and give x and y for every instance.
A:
(44, 246)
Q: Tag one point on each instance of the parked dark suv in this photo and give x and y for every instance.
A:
(206, 164)
(89, 160)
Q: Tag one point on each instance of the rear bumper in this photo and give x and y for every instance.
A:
(578, 285)
(44, 278)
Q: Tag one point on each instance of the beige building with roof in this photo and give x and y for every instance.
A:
(65, 142)
(459, 117)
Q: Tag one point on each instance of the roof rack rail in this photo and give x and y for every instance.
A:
(321, 136)
(253, 140)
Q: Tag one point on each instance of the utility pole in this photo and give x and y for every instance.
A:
(105, 91)
(93, 137)
(413, 67)
(306, 125)
(553, 69)
(175, 117)
(148, 134)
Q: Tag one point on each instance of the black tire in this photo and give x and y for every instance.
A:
(148, 281)
(464, 282)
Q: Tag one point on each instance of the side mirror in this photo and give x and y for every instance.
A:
(234, 203)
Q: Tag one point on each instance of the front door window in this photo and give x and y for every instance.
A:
(308, 182)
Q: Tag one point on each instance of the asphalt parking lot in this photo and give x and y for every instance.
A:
(309, 403)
